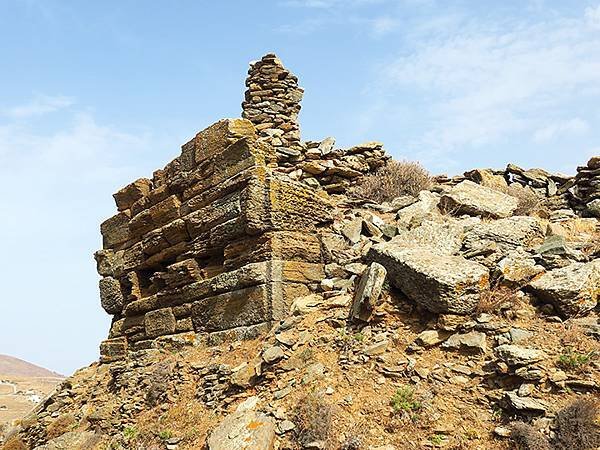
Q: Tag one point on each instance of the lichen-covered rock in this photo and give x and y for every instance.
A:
(515, 355)
(573, 290)
(474, 199)
(111, 297)
(244, 430)
(426, 208)
(440, 283)
(518, 267)
(504, 234)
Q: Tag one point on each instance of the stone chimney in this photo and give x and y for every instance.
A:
(272, 104)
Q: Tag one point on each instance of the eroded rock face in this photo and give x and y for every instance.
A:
(573, 289)
(474, 199)
(504, 234)
(440, 283)
(244, 430)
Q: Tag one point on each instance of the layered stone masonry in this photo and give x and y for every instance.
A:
(272, 103)
(215, 244)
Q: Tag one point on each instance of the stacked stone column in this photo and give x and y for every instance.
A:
(272, 104)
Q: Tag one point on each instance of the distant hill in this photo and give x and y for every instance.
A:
(17, 367)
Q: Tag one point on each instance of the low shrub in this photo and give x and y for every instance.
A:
(577, 427)
(404, 400)
(312, 417)
(572, 360)
(61, 425)
(15, 443)
(395, 179)
(526, 437)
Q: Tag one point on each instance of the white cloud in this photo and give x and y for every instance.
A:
(40, 105)
(479, 82)
(574, 126)
(592, 14)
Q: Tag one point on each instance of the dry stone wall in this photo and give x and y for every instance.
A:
(272, 104)
(215, 244)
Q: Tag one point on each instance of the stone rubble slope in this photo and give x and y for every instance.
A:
(246, 282)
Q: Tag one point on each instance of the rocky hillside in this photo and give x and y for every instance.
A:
(269, 293)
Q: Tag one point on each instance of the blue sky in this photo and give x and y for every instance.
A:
(96, 94)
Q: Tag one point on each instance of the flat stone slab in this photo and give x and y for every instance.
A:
(474, 199)
(440, 283)
(244, 430)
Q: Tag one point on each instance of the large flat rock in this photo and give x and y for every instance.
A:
(573, 290)
(441, 283)
(244, 430)
(477, 200)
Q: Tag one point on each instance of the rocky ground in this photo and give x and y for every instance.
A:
(444, 318)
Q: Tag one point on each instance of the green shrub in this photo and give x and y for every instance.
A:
(404, 400)
(574, 360)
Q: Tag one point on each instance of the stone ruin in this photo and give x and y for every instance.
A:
(218, 243)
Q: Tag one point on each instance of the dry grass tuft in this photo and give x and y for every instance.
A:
(529, 202)
(15, 443)
(577, 427)
(61, 425)
(495, 299)
(526, 437)
(313, 418)
(395, 179)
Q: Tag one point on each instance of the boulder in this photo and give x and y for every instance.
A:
(477, 200)
(573, 290)
(515, 355)
(446, 237)
(518, 267)
(593, 208)
(426, 208)
(525, 404)
(439, 283)
(244, 430)
(474, 340)
(368, 292)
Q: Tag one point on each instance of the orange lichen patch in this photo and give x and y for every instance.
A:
(254, 425)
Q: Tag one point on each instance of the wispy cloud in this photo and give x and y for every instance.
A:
(574, 126)
(480, 82)
(592, 14)
(42, 104)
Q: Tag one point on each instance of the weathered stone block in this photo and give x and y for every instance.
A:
(440, 283)
(131, 193)
(115, 230)
(113, 349)
(160, 322)
(155, 217)
(111, 297)
(284, 245)
(218, 136)
(474, 199)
